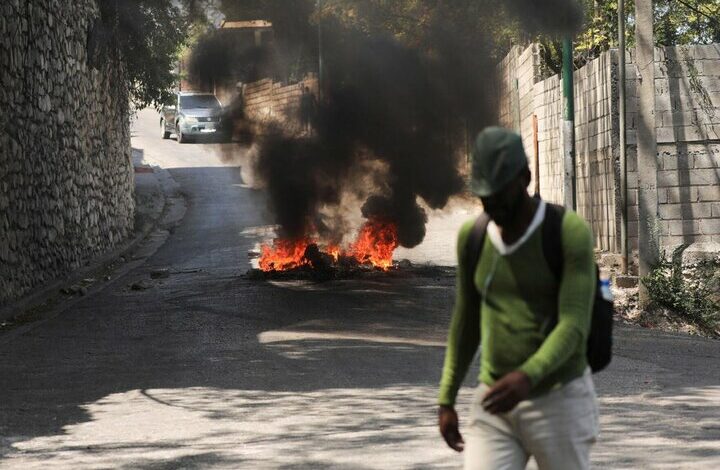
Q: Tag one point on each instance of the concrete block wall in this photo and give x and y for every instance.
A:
(508, 97)
(66, 179)
(688, 131)
(597, 147)
(594, 133)
(507, 73)
(528, 73)
(267, 101)
(687, 120)
(548, 109)
(521, 96)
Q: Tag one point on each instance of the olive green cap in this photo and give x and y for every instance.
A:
(497, 158)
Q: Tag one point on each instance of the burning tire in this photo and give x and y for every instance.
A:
(373, 249)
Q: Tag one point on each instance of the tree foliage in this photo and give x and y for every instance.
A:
(149, 35)
(508, 23)
(677, 22)
(146, 35)
(482, 24)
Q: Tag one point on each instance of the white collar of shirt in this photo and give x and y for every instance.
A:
(504, 249)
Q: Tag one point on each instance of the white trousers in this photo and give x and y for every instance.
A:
(557, 429)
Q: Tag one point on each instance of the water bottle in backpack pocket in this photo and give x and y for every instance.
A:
(599, 344)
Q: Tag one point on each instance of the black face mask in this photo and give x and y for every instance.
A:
(504, 206)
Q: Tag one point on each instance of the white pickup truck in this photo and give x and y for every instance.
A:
(192, 115)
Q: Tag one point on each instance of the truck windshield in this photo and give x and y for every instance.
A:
(199, 101)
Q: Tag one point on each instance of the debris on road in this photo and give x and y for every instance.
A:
(399, 269)
(141, 285)
(160, 273)
(187, 271)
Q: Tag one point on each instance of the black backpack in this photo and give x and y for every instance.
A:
(599, 344)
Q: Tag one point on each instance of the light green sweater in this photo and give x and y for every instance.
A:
(522, 293)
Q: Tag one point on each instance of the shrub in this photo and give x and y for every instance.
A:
(688, 291)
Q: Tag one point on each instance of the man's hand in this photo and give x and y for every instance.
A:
(448, 421)
(507, 393)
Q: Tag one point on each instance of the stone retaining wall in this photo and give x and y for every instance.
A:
(66, 181)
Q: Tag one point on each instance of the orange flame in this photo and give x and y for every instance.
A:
(374, 245)
(283, 255)
(334, 251)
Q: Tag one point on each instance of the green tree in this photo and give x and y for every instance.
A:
(677, 22)
(147, 36)
(491, 25)
(479, 24)
(687, 22)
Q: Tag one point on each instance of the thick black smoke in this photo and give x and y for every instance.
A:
(390, 102)
(219, 55)
(410, 111)
(552, 16)
(380, 101)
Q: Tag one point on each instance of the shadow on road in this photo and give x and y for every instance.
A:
(75, 397)
(206, 368)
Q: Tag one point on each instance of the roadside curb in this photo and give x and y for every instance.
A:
(105, 268)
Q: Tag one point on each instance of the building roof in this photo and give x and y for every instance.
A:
(246, 24)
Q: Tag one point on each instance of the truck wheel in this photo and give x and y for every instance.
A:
(163, 133)
(181, 139)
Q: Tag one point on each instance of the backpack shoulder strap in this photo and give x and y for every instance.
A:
(473, 249)
(552, 238)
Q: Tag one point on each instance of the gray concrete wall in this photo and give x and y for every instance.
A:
(66, 181)
(688, 129)
(596, 147)
(508, 97)
(687, 120)
(267, 101)
(548, 109)
(594, 133)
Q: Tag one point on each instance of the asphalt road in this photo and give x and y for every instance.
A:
(209, 369)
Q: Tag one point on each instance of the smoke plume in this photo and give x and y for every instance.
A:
(407, 112)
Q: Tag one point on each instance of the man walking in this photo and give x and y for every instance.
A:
(536, 395)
